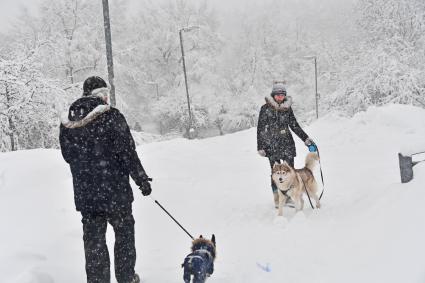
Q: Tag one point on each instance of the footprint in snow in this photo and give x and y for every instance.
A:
(280, 221)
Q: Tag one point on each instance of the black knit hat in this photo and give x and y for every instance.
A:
(92, 83)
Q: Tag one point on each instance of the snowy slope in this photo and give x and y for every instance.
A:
(370, 228)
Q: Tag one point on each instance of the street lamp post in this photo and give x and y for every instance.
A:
(315, 78)
(190, 129)
(108, 41)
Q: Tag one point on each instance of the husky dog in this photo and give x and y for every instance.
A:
(200, 262)
(293, 183)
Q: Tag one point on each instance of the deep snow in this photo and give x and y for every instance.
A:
(370, 228)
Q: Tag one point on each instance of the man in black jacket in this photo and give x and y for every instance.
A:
(96, 142)
(274, 139)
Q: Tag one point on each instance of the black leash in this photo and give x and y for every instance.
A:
(321, 176)
(305, 188)
(321, 173)
(172, 218)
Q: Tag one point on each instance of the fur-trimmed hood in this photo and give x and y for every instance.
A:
(287, 103)
(205, 244)
(86, 109)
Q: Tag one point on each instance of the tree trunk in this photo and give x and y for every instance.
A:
(11, 136)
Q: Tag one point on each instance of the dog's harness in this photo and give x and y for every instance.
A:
(201, 254)
(285, 193)
(198, 254)
(203, 251)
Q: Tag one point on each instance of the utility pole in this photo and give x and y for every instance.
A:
(108, 41)
(190, 129)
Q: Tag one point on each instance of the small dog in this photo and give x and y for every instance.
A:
(292, 183)
(200, 262)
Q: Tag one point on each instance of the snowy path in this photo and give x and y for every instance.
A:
(370, 228)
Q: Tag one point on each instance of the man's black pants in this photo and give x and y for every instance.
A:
(96, 251)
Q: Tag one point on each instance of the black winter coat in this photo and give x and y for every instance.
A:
(97, 144)
(273, 134)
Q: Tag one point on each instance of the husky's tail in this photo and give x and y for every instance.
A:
(310, 160)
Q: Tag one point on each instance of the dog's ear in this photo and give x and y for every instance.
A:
(276, 163)
(213, 239)
(285, 163)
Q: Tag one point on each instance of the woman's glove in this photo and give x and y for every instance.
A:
(262, 153)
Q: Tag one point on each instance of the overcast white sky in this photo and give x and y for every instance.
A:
(9, 9)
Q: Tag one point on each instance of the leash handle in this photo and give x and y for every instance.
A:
(172, 217)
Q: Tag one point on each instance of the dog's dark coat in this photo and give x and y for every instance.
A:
(200, 262)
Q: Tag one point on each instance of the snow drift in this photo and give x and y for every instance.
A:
(370, 228)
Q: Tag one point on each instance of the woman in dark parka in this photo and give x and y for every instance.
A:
(274, 139)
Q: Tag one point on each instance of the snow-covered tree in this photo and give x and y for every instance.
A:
(370, 53)
(27, 108)
(154, 55)
(388, 63)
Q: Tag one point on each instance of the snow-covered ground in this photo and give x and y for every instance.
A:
(370, 228)
(141, 138)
